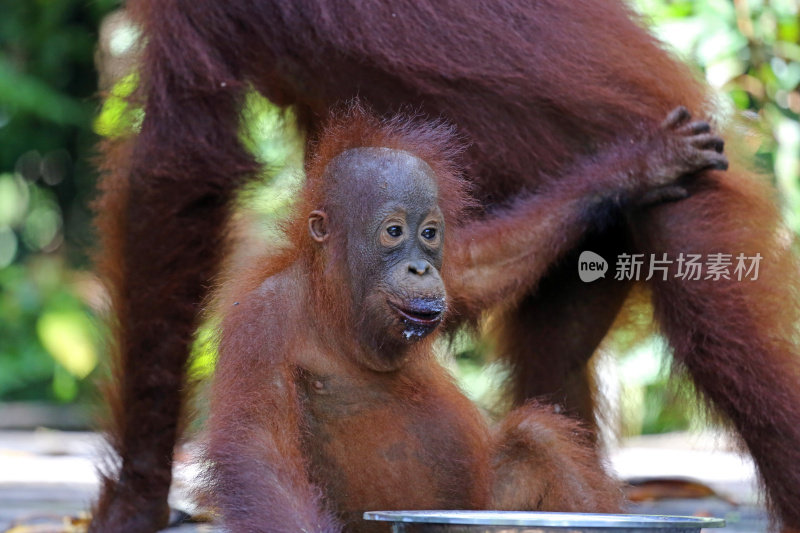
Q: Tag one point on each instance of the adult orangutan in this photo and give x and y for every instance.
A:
(328, 400)
(534, 87)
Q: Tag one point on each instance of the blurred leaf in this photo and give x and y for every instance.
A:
(21, 92)
(204, 351)
(13, 199)
(118, 117)
(68, 337)
(65, 386)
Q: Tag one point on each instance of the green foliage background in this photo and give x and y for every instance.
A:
(49, 338)
(50, 334)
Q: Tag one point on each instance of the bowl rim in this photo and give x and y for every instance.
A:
(545, 519)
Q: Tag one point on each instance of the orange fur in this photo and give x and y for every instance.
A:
(534, 88)
(304, 437)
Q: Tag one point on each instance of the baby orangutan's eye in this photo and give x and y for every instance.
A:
(429, 233)
(394, 231)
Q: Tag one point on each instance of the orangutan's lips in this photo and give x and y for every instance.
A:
(421, 312)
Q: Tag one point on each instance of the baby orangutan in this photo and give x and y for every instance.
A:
(328, 400)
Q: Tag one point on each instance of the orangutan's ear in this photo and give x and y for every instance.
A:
(318, 225)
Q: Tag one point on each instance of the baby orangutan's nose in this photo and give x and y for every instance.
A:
(420, 267)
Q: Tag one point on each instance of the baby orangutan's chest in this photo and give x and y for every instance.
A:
(387, 446)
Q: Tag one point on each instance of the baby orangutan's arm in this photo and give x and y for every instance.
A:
(258, 468)
(503, 256)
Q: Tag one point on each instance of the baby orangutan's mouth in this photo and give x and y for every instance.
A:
(421, 312)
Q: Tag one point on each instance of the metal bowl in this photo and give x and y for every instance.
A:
(535, 522)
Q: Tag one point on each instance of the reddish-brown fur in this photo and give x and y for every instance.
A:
(532, 87)
(305, 438)
(542, 460)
